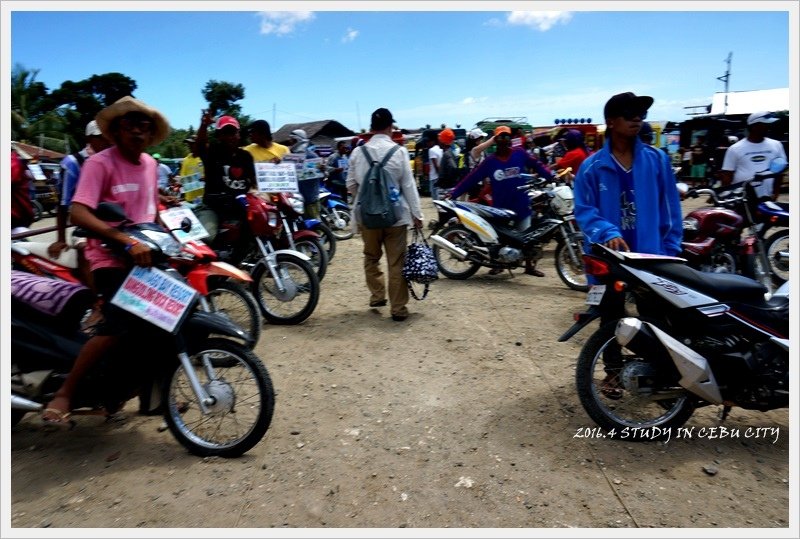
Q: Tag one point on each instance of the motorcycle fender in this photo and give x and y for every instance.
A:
(198, 278)
(335, 204)
(218, 324)
(478, 225)
(291, 252)
(583, 320)
(304, 234)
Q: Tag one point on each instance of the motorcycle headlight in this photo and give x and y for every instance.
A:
(165, 241)
(298, 203)
(691, 224)
(273, 218)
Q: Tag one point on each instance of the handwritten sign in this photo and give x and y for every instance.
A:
(311, 168)
(276, 178)
(36, 171)
(172, 218)
(155, 296)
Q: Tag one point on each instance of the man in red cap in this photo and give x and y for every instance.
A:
(230, 174)
(448, 169)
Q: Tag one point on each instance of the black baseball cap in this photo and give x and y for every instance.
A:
(627, 103)
(260, 126)
(381, 119)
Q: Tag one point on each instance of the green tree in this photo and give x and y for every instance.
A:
(31, 113)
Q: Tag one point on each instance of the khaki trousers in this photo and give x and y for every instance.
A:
(395, 241)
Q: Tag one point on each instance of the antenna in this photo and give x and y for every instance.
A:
(726, 79)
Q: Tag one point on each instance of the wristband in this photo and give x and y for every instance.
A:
(133, 242)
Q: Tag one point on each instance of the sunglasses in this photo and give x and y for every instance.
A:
(503, 135)
(629, 115)
(142, 123)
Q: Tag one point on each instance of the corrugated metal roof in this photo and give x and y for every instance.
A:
(29, 151)
(321, 132)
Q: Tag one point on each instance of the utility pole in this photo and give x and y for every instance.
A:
(726, 79)
(358, 115)
(273, 116)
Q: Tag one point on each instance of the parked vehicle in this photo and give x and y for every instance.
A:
(215, 394)
(285, 284)
(336, 214)
(295, 235)
(675, 339)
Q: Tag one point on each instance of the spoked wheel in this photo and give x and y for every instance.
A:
(327, 238)
(38, 210)
(291, 300)
(244, 401)
(570, 271)
(339, 222)
(450, 266)
(313, 249)
(236, 303)
(777, 248)
(624, 393)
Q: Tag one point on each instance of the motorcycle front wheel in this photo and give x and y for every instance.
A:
(571, 272)
(624, 394)
(776, 244)
(291, 300)
(244, 401)
(449, 264)
(313, 249)
(236, 303)
(327, 238)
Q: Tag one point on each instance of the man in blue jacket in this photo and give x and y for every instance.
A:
(626, 199)
(625, 193)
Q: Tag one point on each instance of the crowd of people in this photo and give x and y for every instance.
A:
(625, 191)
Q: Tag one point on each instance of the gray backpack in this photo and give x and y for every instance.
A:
(374, 204)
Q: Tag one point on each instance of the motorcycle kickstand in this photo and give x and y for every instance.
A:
(723, 414)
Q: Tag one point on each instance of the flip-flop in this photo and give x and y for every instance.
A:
(63, 419)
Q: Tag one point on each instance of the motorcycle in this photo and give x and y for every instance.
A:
(335, 213)
(776, 246)
(221, 285)
(673, 339)
(475, 235)
(215, 394)
(285, 284)
(729, 237)
(295, 235)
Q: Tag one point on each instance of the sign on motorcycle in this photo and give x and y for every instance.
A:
(172, 217)
(153, 295)
(276, 178)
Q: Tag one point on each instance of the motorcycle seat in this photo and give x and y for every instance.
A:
(722, 286)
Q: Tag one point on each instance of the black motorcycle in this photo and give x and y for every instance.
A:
(672, 339)
(214, 393)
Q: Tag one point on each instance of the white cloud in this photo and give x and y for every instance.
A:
(541, 20)
(283, 22)
(350, 35)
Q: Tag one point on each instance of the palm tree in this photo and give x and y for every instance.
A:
(32, 119)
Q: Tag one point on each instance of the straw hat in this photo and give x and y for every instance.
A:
(128, 104)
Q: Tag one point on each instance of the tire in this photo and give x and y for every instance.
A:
(299, 299)
(754, 267)
(573, 276)
(38, 210)
(313, 249)
(621, 416)
(243, 411)
(327, 238)
(450, 266)
(236, 303)
(779, 267)
(343, 233)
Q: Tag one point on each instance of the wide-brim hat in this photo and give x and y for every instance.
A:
(128, 104)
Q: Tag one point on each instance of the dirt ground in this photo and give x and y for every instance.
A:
(463, 416)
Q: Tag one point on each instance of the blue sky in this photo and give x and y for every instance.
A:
(428, 67)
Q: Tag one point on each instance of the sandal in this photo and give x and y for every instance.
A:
(535, 272)
(61, 419)
(610, 387)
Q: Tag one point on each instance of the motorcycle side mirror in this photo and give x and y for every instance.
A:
(186, 224)
(779, 164)
(110, 211)
(683, 188)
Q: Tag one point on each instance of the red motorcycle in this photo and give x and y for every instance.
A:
(220, 284)
(285, 285)
(296, 235)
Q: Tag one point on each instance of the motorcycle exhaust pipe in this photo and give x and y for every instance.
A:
(460, 253)
(21, 403)
(645, 339)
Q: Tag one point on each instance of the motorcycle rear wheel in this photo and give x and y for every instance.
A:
(243, 410)
(235, 302)
(301, 294)
(622, 413)
(779, 267)
(450, 266)
(344, 233)
(572, 275)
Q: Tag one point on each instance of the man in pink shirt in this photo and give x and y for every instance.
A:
(128, 176)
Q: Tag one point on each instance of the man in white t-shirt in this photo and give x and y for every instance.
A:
(753, 154)
(435, 160)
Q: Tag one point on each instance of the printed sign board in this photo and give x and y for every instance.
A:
(155, 296)
(276, 178)
(172, 218)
